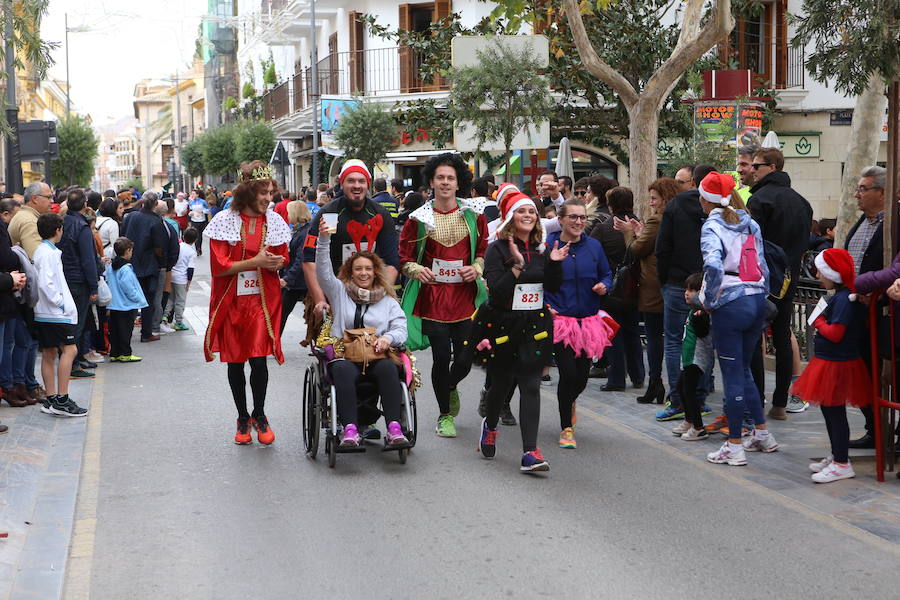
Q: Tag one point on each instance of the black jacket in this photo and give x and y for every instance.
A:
(613, 241)
(678, 241)
(145, 229)
(873, 258)
(79, 254)
(172, 246)
(783, 215)
(8, 262)
(293, 272)
(502, 282)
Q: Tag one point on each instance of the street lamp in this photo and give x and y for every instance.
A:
(79, 29)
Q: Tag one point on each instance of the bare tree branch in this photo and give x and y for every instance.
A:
(592, 61)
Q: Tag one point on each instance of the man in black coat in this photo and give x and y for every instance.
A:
(785, 218)
(146, 229)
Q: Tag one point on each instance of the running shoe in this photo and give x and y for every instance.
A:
(670, 413)
(95, 357)
(534, 461)
(454, 402)
(694, 435)
(180, 327)
(796, 405)
(113, 359)
(165, 328)
(834, 472)
(482, 403)
(506, 417)
(80, 374)
(745, 431)
(395, 435)
(445, 426)
(546, 380)
(717, 425)
(45, 404)
(706, 410)
(759, 443)
(488, 443)
(242, 436)
(731, 454)
(350, 436)
(371, 432)
(264, 433)
(818, 466)
(131, 358)
(63, 406)
(567, 439)
(681, 428)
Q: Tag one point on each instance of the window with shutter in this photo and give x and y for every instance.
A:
(357, 61)
(418, 17)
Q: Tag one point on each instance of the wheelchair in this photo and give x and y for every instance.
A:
(320, 407)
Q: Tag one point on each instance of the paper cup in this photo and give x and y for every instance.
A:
(331, 220)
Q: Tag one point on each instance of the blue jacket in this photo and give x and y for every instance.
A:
(720, 243)
(585, 267)
(79, 255)
(124, 287)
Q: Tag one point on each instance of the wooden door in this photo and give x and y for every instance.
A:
(357, 54)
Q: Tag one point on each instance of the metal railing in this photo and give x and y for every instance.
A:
(786, 71)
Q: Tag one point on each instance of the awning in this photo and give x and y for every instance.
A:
(515, 166)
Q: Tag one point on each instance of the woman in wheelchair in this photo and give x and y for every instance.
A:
(361, 296)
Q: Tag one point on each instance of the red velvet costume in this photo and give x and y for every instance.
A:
(239, 328)
(444, 302)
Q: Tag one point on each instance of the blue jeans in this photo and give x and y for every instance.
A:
(625, 353)
(736, 330)
(653, 326)
(675, 313)
(24, 356)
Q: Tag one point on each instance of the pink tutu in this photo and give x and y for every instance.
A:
(590, 335)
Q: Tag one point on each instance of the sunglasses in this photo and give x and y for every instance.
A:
(581, 193)
(758, 165)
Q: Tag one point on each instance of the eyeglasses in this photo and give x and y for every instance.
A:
(581, 193)
(577, 217)
(682, 181)
(863, 189)
(758, 165)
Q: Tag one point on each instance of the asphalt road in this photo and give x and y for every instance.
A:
(183, 512)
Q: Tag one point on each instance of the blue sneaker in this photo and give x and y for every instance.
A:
(534, 461)
(372, 433)
(670, 413)
(488, 443)
(706, 410)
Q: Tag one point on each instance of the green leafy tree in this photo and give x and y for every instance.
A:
(367, 132)
(218, 150)
(501, 96)
(78, 147)
(254, 140)
(135, 182)
(192, 156)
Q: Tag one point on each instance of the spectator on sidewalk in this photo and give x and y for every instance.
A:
(166, 210)
(293, 286)
(199, 216)
(181, 211)
(146, 229)
(182, 275)
(56, 317)
(127, 299)
(386, 200)
(23, 226)
(108, 223)
(11, 280)
(281, 207)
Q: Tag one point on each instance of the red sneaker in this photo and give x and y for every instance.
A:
(264, 433)
(242, 436)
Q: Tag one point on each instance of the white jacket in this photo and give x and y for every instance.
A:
(55, 303)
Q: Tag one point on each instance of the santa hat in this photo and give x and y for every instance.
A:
(836, 264)
(354, 165)
(510, 199)
(716, 188)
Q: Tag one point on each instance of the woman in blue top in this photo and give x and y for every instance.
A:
(735, 285)
(581, 331)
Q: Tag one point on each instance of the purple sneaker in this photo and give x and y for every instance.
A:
(395, 435)
(351, 436)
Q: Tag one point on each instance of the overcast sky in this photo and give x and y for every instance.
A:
(128, 40)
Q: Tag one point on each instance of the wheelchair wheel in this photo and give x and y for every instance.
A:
(311, 411)
(330, 450)
(402, 455)
(412, 425)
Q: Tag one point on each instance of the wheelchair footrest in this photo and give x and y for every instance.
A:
(349, 449)
(388, 448)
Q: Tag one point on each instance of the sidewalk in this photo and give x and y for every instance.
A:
(40, 464)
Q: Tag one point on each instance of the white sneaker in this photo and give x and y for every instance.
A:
(795, 404)
(694, 435)
(681, 428)
(756, 443)
(728, 455)
(834, 472)
(818, 466)
(165, 328)
(95, 357)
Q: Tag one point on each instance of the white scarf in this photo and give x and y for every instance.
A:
(226, 227)
(425, 213)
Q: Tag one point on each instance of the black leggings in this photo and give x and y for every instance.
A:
(687, 387)
(444, 338)
(573, 378)
(344, 374)
(289, 299)
(528, 378)
(259, 381)
(838, 431)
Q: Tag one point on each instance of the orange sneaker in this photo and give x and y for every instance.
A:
(242, 436)
(264, 433)
(717, 425)
(725, 431)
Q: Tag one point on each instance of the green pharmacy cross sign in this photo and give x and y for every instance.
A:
(800, 144)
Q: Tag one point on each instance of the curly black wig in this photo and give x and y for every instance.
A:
(463, 174)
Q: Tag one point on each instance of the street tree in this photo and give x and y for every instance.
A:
(867, 31)
(643, 100)
(78, 147)
(218, 151)
(368, 132)
(254, 140)
(504, 94)
(192, 157)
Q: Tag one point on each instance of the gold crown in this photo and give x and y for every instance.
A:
(267, 172)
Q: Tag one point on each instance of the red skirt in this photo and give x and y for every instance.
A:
(835, 383)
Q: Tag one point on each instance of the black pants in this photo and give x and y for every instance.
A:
(446, 338)
(838, 431)
(81, 296)
(148, 286)
(345, 374)
(625, 355)
(784, 354)
(259, 381)
(573, 377)
(528, 378)
(199, 226)
(289, 299)
(121, 326)
(687, 387)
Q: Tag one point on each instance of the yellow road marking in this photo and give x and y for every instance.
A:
(77, 583)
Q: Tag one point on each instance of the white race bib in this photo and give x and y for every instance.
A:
(248, 283)
(528, 296)
(447, 271)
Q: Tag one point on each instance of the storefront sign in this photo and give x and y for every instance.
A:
(800, 145)
(841, 117)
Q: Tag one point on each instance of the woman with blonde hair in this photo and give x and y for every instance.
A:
(293, 283)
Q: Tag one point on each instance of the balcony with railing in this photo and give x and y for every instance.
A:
(776, 66)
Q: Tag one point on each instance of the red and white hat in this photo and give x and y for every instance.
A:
(354, 165)
(836, 264)
(716, 188)
(510, 199)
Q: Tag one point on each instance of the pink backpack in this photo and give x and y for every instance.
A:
(748, 267)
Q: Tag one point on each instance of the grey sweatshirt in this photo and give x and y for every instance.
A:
(385, 316)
